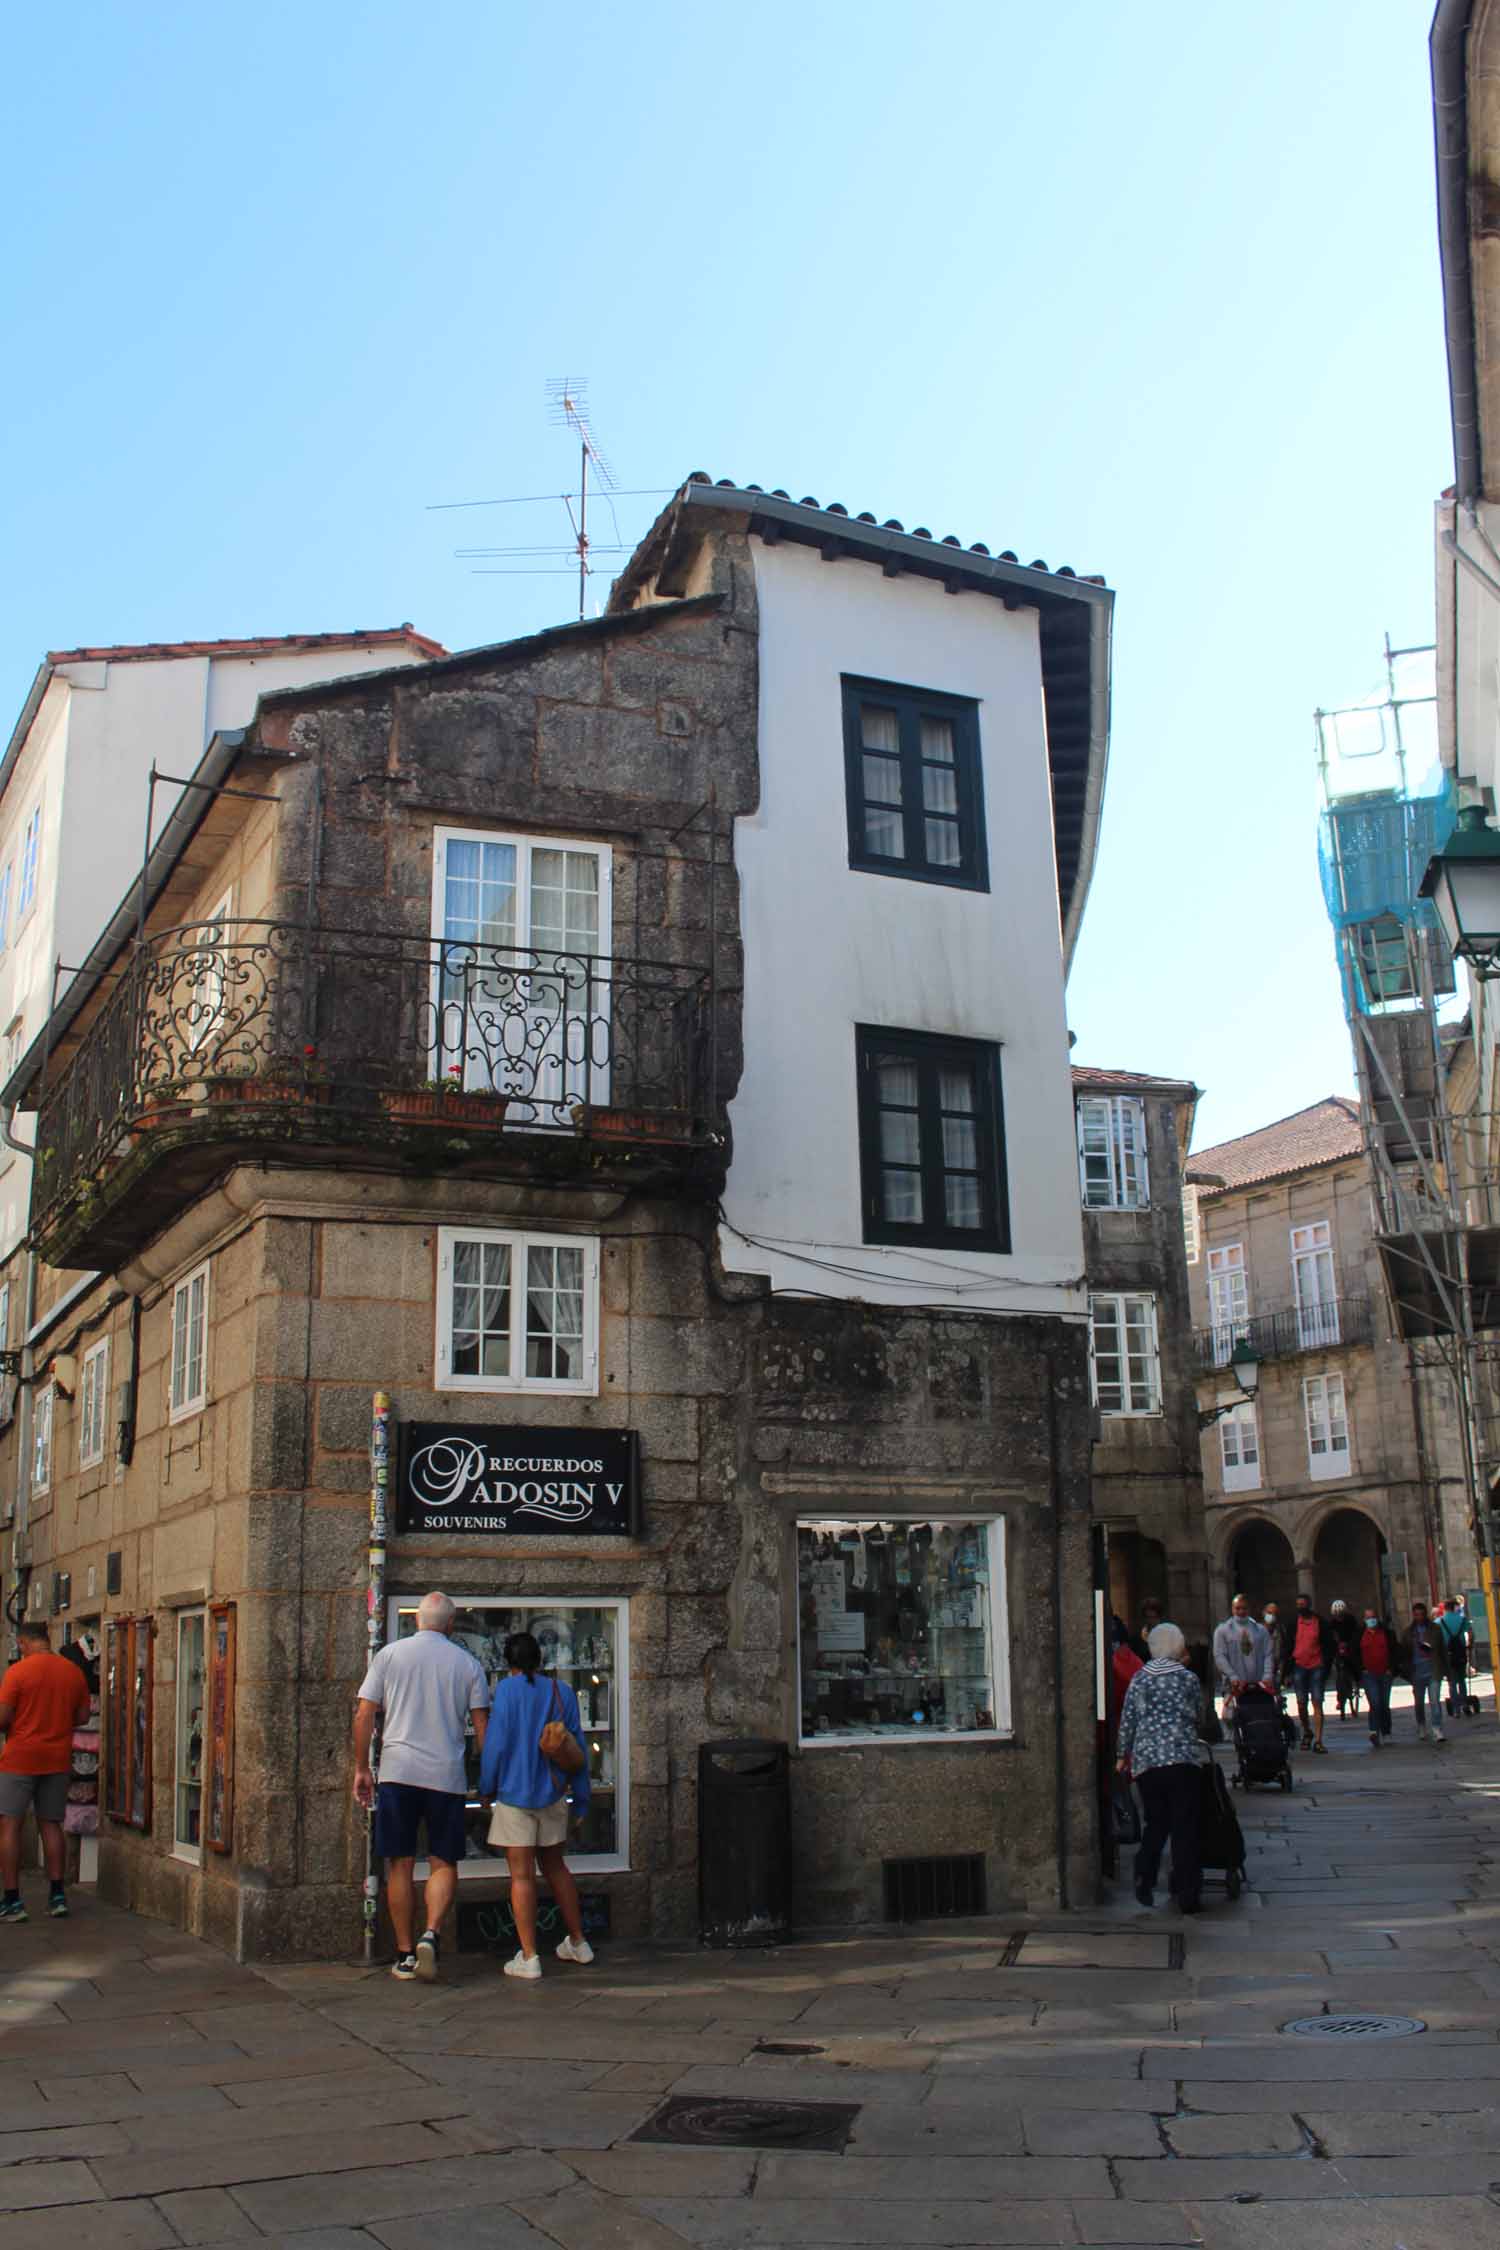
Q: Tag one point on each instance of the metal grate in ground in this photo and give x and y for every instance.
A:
(694, 2121)
(1354, 2027)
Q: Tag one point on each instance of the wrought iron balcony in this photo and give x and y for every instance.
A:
(1280, 1335)
(510, 1060)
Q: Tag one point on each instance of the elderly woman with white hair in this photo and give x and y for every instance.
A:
(1160, 1747)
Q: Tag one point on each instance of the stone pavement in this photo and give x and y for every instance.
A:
(1114, 2078)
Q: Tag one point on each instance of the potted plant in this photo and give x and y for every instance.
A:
(445, 1101)
(287, 1079)
(607, 1122)
(162, 1104)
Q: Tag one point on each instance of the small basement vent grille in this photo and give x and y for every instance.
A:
(924, 1890)
(1355, 2027)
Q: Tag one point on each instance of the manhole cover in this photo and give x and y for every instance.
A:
(689, 2122)
(1355, 2027)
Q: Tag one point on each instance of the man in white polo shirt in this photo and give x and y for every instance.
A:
(428, 1690)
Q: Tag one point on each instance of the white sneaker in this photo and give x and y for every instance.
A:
(582, 1952)
(524, 1965)
(1438, 1735)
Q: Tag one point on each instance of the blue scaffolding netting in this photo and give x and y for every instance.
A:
(1373, 852)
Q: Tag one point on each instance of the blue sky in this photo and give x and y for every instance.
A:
(1152, 290)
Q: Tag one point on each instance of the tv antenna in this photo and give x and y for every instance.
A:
(568, 402)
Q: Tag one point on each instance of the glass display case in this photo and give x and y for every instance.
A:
(901, 1630)
(586, 1645)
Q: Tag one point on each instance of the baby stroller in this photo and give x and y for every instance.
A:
(1220, 1839)
(1260, 1740)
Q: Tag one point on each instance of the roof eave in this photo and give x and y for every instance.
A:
(1057, 593)
(1447, 47)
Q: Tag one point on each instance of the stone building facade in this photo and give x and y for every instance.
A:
(1134, 1132)
(741, 1478)
(1343, 1478)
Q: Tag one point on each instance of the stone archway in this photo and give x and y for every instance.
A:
(1262, 1566)
(1346, 1560)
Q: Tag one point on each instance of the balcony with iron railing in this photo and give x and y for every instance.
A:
(283, 1042)
(1317, 1327)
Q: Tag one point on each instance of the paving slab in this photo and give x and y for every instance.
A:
(1400, 2223)
(1250, 2132)
(469, 2229)
(28, 2187)
(230, 2160)
(583, 2219)
(202, 2215)
(90, 2226)
(776, 2223)
(965, 2179)
(389, 2191)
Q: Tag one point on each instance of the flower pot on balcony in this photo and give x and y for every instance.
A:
(157, 1114)
(421, 1105)
(265, 1090)
(657, 1127)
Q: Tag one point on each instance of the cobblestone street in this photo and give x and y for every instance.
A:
(1121, 2078)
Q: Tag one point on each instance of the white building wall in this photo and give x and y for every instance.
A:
(827, 948)
(86, 760)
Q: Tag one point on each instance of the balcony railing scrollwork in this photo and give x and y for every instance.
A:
(1314, 1327)
(351, 1021)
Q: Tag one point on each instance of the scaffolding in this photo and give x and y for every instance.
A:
(1387, 807)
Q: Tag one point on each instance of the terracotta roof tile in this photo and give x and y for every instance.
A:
(1321, 1134)
(271, 644)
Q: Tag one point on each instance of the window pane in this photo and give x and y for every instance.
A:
(939, 789)
(565, 901)
(956, 1090)
(899, 1142)
(190, 1703)
(884, 834)
(963, 1201)
(897, 1628)
(960, 1144)
(901, 1197)
(481, 1308)
(882, 781)
(879, 729)
(897, 1082)
(943, 843)
(937, 740)
(554, 1314)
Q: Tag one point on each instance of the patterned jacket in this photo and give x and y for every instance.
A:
(1163, 1711)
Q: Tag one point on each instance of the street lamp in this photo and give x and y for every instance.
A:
(1244, 1366)
(1463, 882)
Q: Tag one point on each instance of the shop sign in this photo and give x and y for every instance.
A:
(534, 1483)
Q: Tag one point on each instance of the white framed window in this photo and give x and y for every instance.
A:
(7, 875)
(93, 1397)
(1228, 1298)
(587, 1644)
(1315, 1286)
(1327, 1426)
(902, 1630)
(189, 1391)
(521, 980)
(4, 1316)
(1123, 1357)
(187, 1769)
(517, 1312)
(31, 852)
(14, 1032)
(41, 1440)
(1112, 1152)
(1191, 1235)
(1239, 1447)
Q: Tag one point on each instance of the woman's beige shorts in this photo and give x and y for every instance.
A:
(514, 1824)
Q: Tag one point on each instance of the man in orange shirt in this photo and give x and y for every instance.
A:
(42, 1698)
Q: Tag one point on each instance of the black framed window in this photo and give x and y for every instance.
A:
(916, 805)
(931, 1140)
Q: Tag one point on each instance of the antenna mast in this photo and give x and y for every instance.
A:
(568, 400)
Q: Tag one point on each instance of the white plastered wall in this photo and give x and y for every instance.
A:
(827, 948)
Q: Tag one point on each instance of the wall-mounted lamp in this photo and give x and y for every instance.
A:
(1244, 1366)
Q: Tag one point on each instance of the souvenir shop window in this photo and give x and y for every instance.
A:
(901, 1630)
(128, 1682)
(218, 1785)
(187, 1797)
(587, 1645)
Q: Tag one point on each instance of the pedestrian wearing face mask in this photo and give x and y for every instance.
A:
(1423, 1659)
(1313, 1650)
(1377, 1657)
(1280, 1654)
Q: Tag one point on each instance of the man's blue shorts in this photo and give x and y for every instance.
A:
(1308, 1681)
(401, 1809)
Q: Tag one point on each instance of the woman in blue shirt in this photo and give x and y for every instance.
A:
(530, 1796)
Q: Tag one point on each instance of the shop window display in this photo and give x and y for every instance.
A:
(901, 1630)
(585, 1644)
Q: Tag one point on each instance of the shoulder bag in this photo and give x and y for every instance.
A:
(558, 1746)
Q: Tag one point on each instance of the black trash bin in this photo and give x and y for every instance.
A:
(744, 1843)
